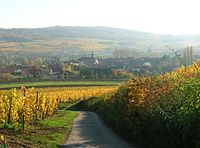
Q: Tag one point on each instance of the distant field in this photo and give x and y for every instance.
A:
(59, 84)
(51, 45)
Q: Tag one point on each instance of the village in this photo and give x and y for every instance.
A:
(89, 67)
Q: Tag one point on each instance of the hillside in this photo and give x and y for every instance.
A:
(59, 32)
(80, 39)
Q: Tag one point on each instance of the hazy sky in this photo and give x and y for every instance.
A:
(156, 16)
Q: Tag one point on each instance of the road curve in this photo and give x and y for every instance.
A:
(90, 132)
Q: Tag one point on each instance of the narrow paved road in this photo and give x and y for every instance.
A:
(89, 131)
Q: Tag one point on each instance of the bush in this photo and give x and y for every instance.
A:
(159, 111)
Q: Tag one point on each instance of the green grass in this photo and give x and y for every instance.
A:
(55, 129)
(47, 141)
(59, 84)
(47, 133)
(62, 120)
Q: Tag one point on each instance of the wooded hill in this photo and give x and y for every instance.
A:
(103, 39)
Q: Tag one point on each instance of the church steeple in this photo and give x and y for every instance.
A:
(92, 55)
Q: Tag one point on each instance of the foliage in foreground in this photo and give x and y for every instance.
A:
(159, 111)
(47, 133)
(20, 108)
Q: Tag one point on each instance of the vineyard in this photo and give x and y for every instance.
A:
(157, 111)
(20, 108)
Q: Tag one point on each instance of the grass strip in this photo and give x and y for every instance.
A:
(47, 133)
(59, 84)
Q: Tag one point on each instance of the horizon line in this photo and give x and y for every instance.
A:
(93, 26)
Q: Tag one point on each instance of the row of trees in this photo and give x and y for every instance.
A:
(96, 73)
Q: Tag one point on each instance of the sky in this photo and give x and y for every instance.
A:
(176, 17)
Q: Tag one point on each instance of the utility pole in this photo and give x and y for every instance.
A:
(176, 61)
(188, 55)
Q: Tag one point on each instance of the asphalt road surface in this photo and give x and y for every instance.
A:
(90, 132)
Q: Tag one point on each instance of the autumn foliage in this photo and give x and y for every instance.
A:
(157, 111)
(19, 108)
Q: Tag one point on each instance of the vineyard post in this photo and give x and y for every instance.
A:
(10, 108)
(23, 116)
(37, 99)
(9, 111)
(46, 108)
